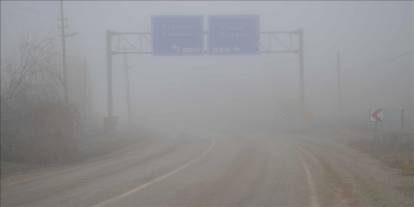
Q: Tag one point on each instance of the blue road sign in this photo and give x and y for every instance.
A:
(177, 34)
(233, 34)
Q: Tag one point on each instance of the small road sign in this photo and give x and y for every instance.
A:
(233, 34)
(177, 34)
(376, 115)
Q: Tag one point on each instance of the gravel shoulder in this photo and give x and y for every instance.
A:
(356, 177)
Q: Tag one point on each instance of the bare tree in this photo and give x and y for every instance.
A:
(33, 113)
(36, 63)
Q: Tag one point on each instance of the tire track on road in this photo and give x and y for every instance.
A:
(313, 197)
(160, 178)
(341, 196)
(101, 173)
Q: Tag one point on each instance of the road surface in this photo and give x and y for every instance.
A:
(283, 170)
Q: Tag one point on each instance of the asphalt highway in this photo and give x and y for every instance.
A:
(220, 170)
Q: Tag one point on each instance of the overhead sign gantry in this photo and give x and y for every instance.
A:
(235, 34)
(185, 35)
(177, 35)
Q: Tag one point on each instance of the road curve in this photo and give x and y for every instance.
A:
(210, 171)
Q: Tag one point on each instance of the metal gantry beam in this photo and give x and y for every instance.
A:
(140, 43)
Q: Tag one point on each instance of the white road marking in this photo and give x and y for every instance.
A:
(160, 178)
(41, 176)
(339, 198)
(313, 198)
(30, 178)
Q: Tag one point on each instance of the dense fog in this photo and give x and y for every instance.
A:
(207, 103)
(374, 40)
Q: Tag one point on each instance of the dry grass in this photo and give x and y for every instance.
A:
(393, 148)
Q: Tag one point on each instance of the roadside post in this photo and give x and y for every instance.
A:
(376, 115)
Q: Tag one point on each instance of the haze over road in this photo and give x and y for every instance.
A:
(283, 170)
(206, 103)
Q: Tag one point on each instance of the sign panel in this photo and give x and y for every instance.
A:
(233, 34)
(177, 34)
(376, 115)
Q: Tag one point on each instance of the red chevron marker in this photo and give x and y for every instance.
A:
(376, 115)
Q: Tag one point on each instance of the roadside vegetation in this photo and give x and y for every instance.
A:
(38, 128)
(396, 149)
(393, 148)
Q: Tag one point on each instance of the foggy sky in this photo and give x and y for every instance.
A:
(370, 36)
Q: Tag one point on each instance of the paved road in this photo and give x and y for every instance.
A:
(285, 171)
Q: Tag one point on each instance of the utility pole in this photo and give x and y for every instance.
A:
(109, 121)
(63, 26)
(339, 85)
(301, 74)
(63, 35)
(128, 95)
